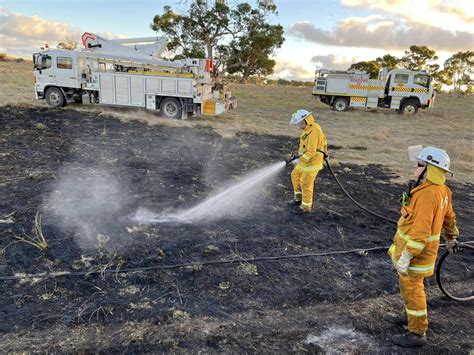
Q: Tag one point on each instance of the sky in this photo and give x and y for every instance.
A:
(318, 33)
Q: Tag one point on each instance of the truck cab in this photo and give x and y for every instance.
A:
(56, 70)
(408, 90)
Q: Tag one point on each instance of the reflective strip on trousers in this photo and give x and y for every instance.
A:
(416, 313)
(311, 168)
(306, 204)
(421, 268)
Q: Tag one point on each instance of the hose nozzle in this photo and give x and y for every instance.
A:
(292, 157)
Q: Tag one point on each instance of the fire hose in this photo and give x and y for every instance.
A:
(295, 156)
(326, 159)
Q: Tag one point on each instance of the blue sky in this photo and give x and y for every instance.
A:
(132, 18)
(318, 32)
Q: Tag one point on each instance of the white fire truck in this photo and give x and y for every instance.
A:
(403, 90)
(128, 72)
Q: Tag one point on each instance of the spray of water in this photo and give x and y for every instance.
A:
(85, 201)
(233, 201)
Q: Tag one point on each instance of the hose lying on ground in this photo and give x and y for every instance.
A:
(361, 251)
(189, 264)
(326, 159)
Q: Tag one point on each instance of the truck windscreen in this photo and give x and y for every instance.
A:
(42, 61)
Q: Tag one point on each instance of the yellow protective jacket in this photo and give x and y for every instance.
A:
(311, 140)
(419, 227)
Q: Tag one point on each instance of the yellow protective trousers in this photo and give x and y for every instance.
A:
(412, 290)
(303, 186)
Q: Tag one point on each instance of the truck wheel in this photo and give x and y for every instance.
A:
(55, 98)
(171, 108)
(409, 108)
(341, 104)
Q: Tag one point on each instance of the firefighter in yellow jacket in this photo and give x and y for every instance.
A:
(312, 142)
(425, 212)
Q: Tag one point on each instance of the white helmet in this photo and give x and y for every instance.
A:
(436, 157)
(299, 116)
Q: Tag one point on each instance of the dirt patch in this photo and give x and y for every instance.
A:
(242, 307)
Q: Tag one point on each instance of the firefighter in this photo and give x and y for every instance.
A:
(312, 144)
(426, 210)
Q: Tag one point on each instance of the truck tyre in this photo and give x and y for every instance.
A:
(55, 98)
(341, 104)
(171, 108)
(410, 107)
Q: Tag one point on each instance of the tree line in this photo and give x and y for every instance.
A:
(456, 71)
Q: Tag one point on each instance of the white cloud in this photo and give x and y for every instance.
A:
(292, 71)
(333, 61)
(380, 32)
(298, 61)
(22, 35)
(451, 15)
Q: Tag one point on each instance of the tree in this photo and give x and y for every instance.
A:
(388, 61)
(239, 38)
(372, 67)
(441, 77)
(250, 53)
(459, 68)
(417, 57)
(195, 33)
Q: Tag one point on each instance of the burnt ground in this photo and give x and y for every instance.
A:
(332, 303)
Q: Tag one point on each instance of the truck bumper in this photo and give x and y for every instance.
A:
(39, 95)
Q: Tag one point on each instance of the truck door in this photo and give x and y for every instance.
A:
(66, 71)
(44, 72)
(399, 88)
(399, 85)
(421, 87)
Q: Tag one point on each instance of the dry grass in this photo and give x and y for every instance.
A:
(37, 239)
(266, 109)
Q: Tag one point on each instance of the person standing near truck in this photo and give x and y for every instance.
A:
(426, 210)
(310, 153)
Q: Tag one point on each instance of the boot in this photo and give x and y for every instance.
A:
(409, 340)
(301, 211)
(294, 203)
(396, 318)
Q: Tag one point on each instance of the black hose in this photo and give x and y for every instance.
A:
(461, 247)
(189, 264)
(326, 159)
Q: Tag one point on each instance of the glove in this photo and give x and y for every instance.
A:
(403, 263)
(452, 246)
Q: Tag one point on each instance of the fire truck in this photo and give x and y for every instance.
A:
(129, 72)
(403, 90)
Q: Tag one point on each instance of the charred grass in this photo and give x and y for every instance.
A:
(331, 303)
